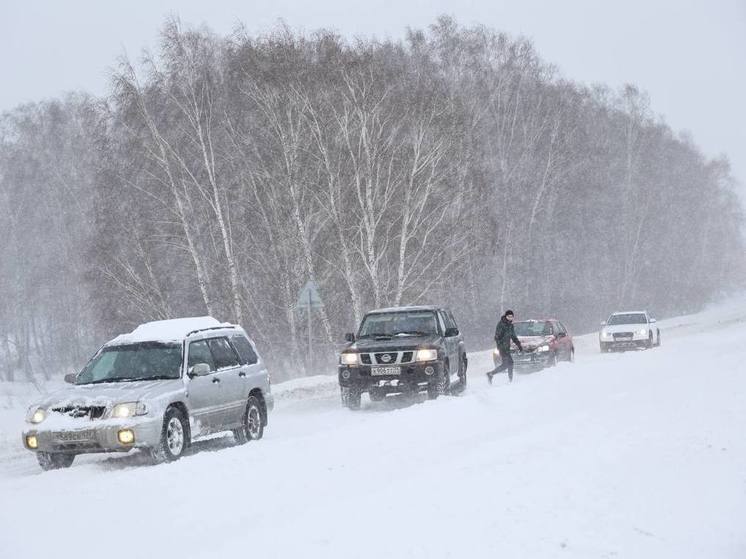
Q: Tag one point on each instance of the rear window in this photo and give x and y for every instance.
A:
(245, 352)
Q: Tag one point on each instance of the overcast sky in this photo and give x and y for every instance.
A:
(690, 56)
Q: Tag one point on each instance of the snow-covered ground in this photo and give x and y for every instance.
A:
(640, 454)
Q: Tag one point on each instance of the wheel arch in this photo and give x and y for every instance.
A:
(181, 406)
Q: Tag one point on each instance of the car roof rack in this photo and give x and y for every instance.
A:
(223, 327)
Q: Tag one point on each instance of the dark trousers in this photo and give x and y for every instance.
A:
(507, 364)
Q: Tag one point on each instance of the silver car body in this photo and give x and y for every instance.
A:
(79, 418)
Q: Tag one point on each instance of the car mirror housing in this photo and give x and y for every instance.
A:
(349, 337)
(199, 370)
(70, 378)
(450, 332)
(603, 323)
(561, 334)
(652, 321)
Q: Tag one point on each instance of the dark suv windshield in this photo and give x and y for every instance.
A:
(629, 318)
(410, 323)
(143, 361)
(532, 328)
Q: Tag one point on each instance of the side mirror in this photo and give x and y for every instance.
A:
(652, 321)
(561, 334)
(199, 370)
(70, 378)
(349, 337)
(450, 332)
(603, 323)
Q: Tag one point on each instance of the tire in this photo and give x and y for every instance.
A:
(649, 343)
(604, 349)
(552, 360)
(54, 460)
(658, 341)
(174, 437)
(571, 358)
(441, 384)
(459, 387)
(376, 396)
(252, 422)
(351, 397)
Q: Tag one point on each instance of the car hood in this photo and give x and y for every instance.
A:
(394, 344)
(106, 394)
(532, 342)
(624, 328)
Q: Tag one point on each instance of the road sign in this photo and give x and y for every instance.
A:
(308, 297)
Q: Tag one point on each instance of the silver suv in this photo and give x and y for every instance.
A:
(158, 388)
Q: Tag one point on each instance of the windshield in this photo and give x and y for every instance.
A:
(532, 328)
(629, 318)
(143, 361)
(387, 325)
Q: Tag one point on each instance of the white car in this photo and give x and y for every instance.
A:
(629, 330)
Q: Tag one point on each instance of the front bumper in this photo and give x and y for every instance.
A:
(528, 360)
(94, 438)
(412, 376)
(631, 343)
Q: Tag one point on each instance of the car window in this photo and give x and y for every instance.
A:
(561, 328)
(450, 322)
(222, 353)
(199, 352)
(245, 352)
(441, 322)
(627, 318)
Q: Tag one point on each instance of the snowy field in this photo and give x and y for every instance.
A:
(640, 454)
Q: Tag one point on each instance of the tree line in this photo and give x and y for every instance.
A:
(454, 166)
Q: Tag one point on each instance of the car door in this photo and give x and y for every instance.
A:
(254, 371)
(204, 391)
(231, 401)
(564, 340)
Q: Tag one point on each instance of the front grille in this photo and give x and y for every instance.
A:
(387, 358)
(91, 412)
(622, 335)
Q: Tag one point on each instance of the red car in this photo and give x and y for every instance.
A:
(544, 341)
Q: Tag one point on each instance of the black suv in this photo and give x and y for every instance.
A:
(403, 350)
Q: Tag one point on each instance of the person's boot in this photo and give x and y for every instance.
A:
(489, 377)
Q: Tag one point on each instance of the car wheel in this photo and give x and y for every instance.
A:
(54, 460)
(649, 343)
(351, 397)
(252, 424)
(174, 437)
(658, 341)
(553, 360)
(571, 358)
(461, 385)
(440, 385)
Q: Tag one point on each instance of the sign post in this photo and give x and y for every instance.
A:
(309, 298)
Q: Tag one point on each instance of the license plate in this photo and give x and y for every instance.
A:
(75, 436)
(383, 371)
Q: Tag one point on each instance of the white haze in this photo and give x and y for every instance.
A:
(688, 55)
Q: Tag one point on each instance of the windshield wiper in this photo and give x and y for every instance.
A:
(129, 379)
(412, 333)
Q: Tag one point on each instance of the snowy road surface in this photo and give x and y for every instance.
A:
(641, 454)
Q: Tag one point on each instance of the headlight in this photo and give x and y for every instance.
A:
(349, 358)
(36, 415)
(643, 331)
(426, 355)
(542, 348)
(605, 334)
(128, 409)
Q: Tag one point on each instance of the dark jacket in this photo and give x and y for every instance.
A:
(504, 333)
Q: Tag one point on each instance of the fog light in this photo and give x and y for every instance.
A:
(345, 375)
(126, 436)
(429, 370)
(31, 441)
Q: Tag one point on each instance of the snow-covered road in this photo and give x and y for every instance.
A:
(641, 454)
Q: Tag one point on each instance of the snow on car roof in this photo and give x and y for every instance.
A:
(629, 312)
(167, 330)
(406, 309)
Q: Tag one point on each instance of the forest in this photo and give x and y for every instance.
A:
(455, 166)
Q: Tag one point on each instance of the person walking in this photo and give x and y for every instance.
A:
(504, 333)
